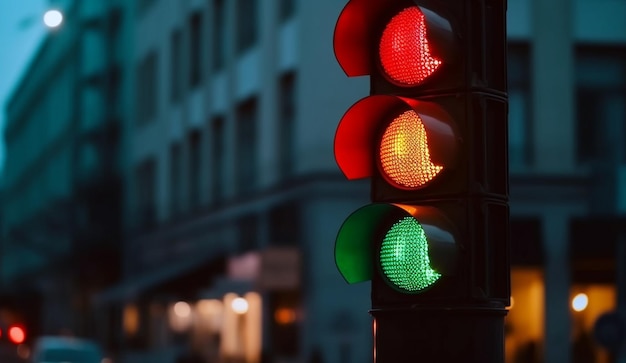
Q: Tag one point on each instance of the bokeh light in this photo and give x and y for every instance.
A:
(580, 302)
(53, 18)
(239, 305)
(182, 309)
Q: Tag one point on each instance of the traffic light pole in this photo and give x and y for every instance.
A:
(439, 335)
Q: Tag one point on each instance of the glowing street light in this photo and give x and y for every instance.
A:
(239, 305)
(53, 18)
(580, 302)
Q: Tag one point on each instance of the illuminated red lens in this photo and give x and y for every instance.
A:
(404, 51)
(404, 153)
(16, 334)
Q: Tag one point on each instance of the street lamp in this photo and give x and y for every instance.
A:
(53, 18)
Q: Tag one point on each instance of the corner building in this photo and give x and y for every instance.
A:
(232, 188)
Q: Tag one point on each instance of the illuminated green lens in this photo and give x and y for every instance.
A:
(404, 256)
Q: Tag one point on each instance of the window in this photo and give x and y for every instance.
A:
(146, 88)
(600, 107)
(143, 6)
(145, 187)
(246, 146)
(286, 125)
(284, 224)
(175, 178)
(218, 50)
(246, 24)
(284, 328)
(176, 80)
(286, 9)
(248, 227)
(195, 49)
(217, 158)
(520, 127)
(195, 150)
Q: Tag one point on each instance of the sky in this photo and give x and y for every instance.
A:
(21, 32)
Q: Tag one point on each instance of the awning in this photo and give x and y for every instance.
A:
(594, 249)
(225, 285)
(526, 241)
(136, 285)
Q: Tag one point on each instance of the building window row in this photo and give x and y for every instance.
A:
(187, 56)
(186, 160)
(599, 104)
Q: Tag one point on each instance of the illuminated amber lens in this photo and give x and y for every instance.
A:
(404, 51)
(404, 154)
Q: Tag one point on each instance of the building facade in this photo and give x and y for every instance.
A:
(567, 126)
(61, 198)
(232, 189)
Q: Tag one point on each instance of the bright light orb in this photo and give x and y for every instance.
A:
(239, 305)
(17, 335)
(53, 18)
(182, 309)
(580, 302)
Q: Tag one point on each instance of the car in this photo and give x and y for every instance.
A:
(60, 349)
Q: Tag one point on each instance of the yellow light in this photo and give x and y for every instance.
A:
(580, 302)
(285, 316)
(404, 153)
(130, 319)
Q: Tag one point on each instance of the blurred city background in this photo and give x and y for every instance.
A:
(169, 187)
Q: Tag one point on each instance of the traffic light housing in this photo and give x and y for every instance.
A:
(432, 137)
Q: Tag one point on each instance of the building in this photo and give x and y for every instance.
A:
(62, 195)
(232, 187)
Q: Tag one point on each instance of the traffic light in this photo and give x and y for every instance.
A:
(16, 334)
(432, 137)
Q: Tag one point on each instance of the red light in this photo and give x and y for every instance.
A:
(404, 153)
(16, 334)
(404, 51)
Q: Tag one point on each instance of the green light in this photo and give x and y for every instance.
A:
(404, 256)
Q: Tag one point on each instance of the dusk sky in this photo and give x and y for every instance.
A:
(21, 31)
